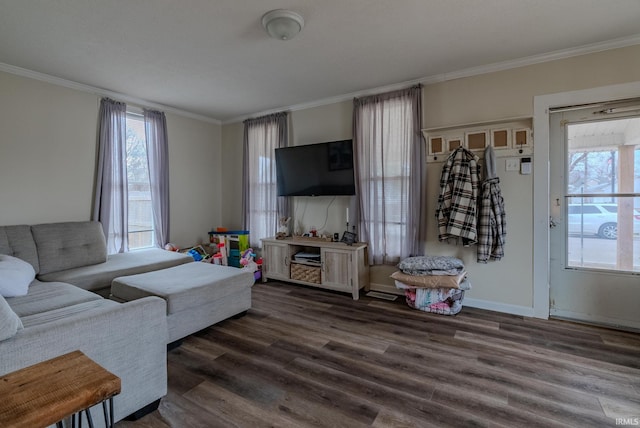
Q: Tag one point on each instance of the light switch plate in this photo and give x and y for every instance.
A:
(512, 164)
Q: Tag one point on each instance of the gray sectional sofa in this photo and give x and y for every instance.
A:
(76, 253)
(64, 309)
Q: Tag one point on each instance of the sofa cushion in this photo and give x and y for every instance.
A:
(69, 245)
(15, 276)
(9, 321)
(47, 296)
(184, 287)
(64, 312)
(17, 241)
(99, 276)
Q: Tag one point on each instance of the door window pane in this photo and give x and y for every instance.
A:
(603, 210)
(604, 157)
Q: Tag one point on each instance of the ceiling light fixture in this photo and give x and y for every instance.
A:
(282, 24)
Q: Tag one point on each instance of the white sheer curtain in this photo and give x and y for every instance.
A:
(110, 206)
(389, 154)
(261, 205)
(155, 125)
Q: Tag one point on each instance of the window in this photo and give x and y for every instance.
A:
(603, 178)
(261, 205)
(389, 181)
(140, 230)
(262, 183)
(132, 169)
(389, 156)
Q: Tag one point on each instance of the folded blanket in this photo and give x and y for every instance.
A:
(463, 285)
(439, 301)
(430, 281)
(444, 308)
(430, 265)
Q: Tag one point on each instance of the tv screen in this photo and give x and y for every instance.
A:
(316, 169)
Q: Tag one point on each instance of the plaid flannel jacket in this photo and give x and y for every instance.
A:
(459, 185)
(491, 222)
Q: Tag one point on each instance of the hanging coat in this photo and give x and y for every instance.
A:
(491, 216)
(459, 186)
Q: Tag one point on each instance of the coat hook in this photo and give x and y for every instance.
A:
(557, 202)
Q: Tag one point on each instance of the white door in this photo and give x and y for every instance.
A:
(595, 215)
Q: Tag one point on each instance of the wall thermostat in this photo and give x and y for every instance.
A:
(525, 166)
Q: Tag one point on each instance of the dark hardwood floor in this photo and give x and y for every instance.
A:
(304, 357)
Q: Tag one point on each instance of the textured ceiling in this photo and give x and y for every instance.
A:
(212, 57)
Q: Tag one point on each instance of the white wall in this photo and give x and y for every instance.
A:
(506, 285)
(231, 169)
(48, 156)
(195, 175)
(317, 125)
(47, 151)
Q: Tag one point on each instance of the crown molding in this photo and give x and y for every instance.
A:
(469, 72)
(546, 57)
(7, 68)
(428, 80)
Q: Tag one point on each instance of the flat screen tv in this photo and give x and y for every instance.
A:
(316, 169)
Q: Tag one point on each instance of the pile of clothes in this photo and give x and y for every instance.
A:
(433, 283)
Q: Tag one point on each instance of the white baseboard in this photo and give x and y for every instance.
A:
(593, 319)
(526, 311)
(506, 308)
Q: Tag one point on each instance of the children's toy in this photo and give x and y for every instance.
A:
(258, 274)
(235, 242)
(222, 251)
(171, 247)
(283, 228)
(196, 255)
(247, 260)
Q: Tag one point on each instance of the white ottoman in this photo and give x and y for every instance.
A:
(197, 294)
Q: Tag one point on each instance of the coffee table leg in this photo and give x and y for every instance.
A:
(89, 420)
(108, 414)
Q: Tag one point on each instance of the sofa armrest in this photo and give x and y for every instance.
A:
(129, 340)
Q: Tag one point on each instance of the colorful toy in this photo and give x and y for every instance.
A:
(171, 247)
(196, 255)
(247, 260)
(222, 252)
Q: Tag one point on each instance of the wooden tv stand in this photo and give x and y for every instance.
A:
(341, 267)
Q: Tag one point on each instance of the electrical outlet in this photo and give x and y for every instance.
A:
(512, 164)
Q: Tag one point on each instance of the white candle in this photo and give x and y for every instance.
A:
(347, 214)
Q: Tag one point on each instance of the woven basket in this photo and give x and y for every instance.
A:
(305, 273)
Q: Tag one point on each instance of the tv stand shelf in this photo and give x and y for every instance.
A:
(342, 267)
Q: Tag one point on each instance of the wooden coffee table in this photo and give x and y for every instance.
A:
(50, 391)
